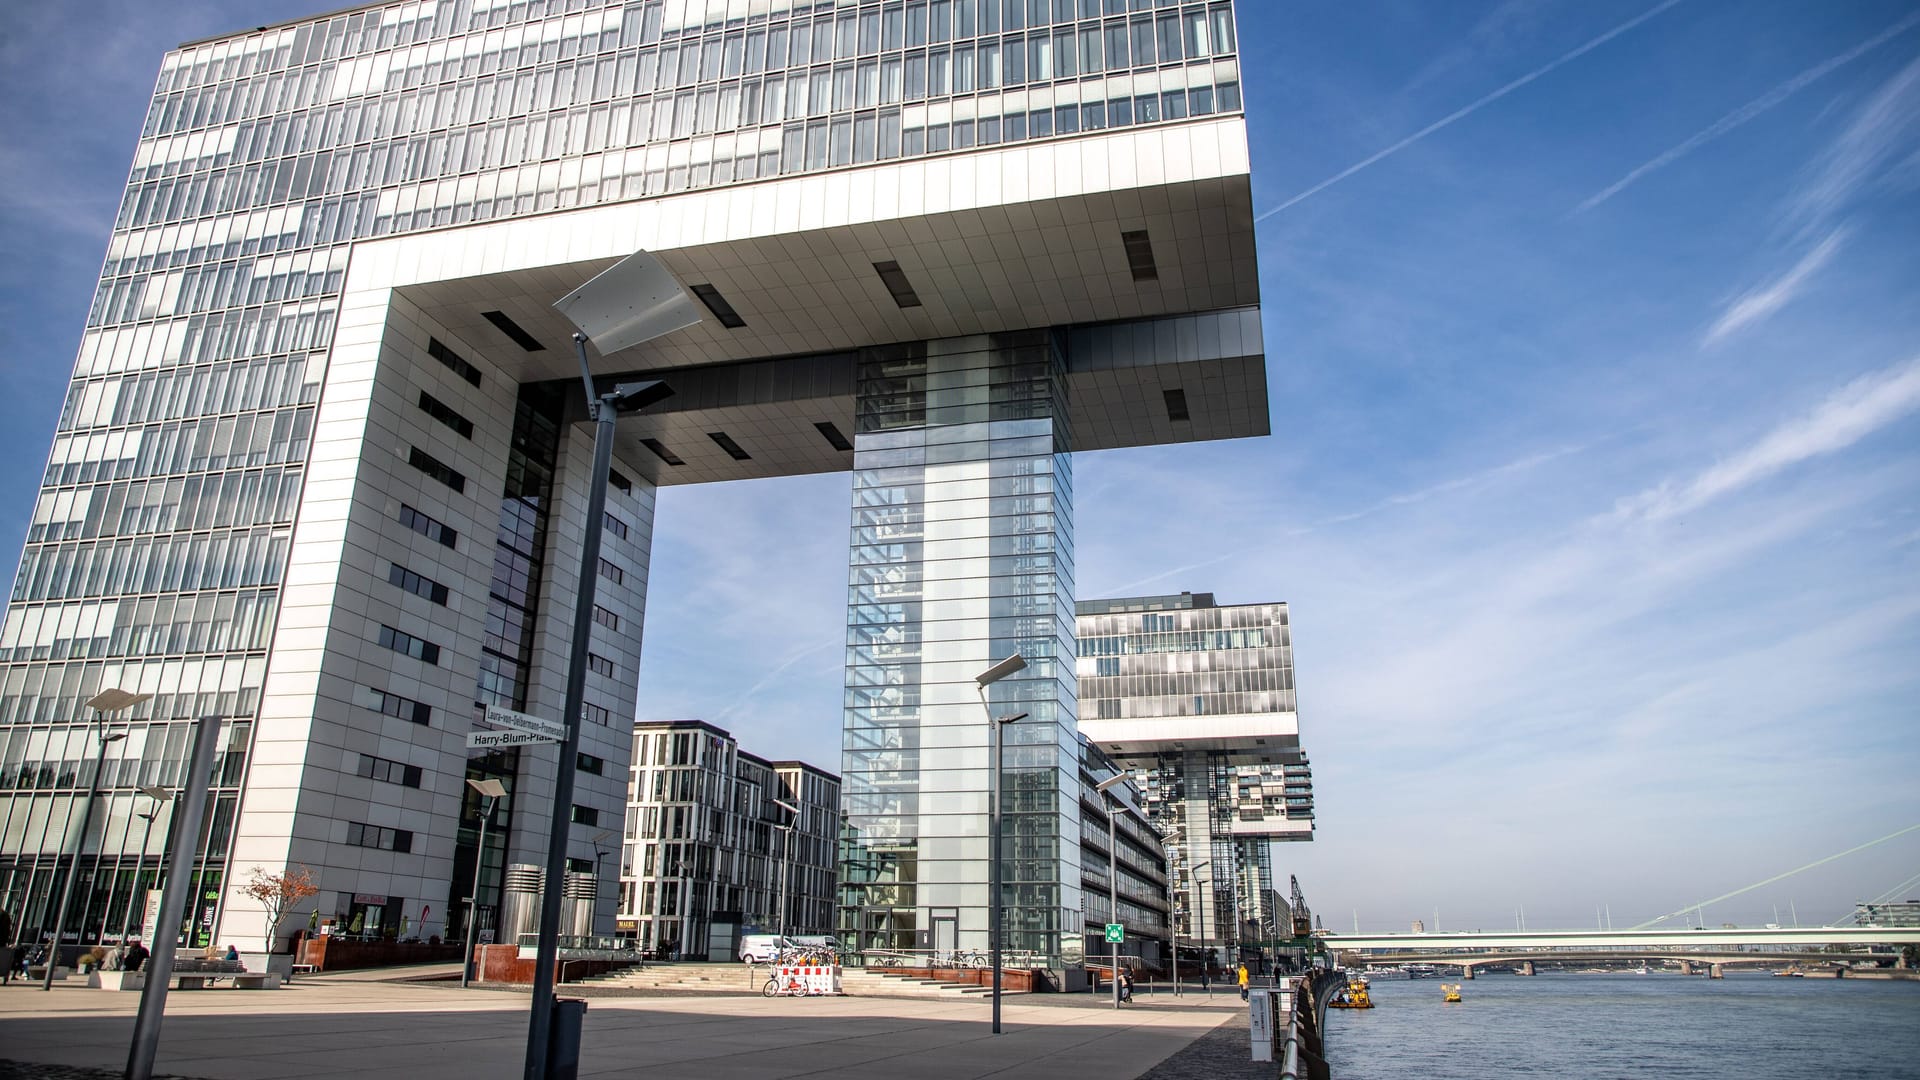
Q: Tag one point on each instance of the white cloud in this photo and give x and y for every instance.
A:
(1881, 136)
(1759, 303)
(1850, 414)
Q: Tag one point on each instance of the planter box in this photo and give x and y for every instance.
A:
(118, 980)
(280, 964)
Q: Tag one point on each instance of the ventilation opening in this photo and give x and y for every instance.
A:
(832, 435)
(1140, 256)
(1176, 404)
(660, 451)
(725, 442)
(513, 330)
(717, 304)
(895, 280)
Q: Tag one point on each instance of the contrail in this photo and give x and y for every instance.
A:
(1752, 109)
(1471, 109)
(1776, 877)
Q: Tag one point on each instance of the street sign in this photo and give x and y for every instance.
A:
(482, 739)
(519, 721)
(1116, 933)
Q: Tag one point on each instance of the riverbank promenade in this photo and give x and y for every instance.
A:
(318, 1027)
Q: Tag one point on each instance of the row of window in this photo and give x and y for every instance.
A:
(400, 708)
(427, 527)
(268, 382)
(181, 446)
(407, 581)
(377, 836)
(446, 415)
(437, 469)
(182, 562)
(156, 626)
(389, 772)
(407, 645)
(191, 503)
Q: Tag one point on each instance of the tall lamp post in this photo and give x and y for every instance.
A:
(786, 860)
(1175, 835)
(102, 703)
(1114, 806)
(633, 301)
(490, 789)
(983, 680)
(1205, 949)
(159, 795)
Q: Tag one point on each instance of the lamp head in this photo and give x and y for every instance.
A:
(115, 700)
(1001, 670)
(1013, 718)
(491, 788)
(1110, 781)
(155, 792)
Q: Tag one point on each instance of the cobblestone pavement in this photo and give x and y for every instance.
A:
(1220, 1054)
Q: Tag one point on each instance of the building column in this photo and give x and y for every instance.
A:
(961, 554)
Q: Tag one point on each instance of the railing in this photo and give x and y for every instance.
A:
(943, 958)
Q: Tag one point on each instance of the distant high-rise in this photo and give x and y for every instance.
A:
(1197, 700)
(319, 471)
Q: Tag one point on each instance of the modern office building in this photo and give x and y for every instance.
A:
(318, 473)
(1196, 699)
(708, 854)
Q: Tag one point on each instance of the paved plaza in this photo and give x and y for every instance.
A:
(329, 1027)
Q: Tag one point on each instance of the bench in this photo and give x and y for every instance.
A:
(193, 980)
(257, 980)
(304, 969)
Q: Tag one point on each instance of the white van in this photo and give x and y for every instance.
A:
(760, 948)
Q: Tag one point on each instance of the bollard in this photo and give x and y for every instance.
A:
(563, 1039)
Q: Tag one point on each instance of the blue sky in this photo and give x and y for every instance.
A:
(1594, 345)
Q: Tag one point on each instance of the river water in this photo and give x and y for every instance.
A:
(1623, 1025)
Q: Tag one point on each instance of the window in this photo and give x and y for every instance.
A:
(423, 651)
(390, 772)
(437, 409)
(585, 815)
(375, 836)
(454, 361)
(587, 763)
(612, 573)
(595, 714)
(404, 578)
(398, 707)
(606, 618)
(600, 665)
(616, 527)
(580, 866)
(619, 481)
(426, 526)
(433, 467)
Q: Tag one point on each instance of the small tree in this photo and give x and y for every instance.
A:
(278, 893)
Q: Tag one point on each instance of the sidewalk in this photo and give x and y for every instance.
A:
(418, 1032)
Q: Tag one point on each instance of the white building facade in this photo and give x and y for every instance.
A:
(319, 472)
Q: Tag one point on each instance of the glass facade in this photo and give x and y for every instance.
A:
(1221, 801)
(157, 554)
(962, 554)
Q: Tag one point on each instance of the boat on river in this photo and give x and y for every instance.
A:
(1354, 995)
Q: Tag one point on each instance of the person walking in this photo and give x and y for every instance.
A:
(1243, 981)
(1126, 985)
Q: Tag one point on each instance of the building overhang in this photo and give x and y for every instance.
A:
(1241, 738)
(993, 240)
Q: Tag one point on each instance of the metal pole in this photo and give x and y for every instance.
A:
(126, 925)
(73, 868)
(540, 1023)
(1173, 931)
(786, 877)
(177, 871)
(1113, 897)
(993, 857)
(473, 899)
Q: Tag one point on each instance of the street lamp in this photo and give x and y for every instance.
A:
(1174, 834)
(633, 301)
(1114, 806)
(983, 680)
(786, 860)
(492, 790)
(1205, 949)
(159, 795)
(102, 703)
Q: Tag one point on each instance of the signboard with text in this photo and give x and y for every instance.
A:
(524, 723)
(479, 739)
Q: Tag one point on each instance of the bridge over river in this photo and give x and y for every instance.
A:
(1713, 947)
